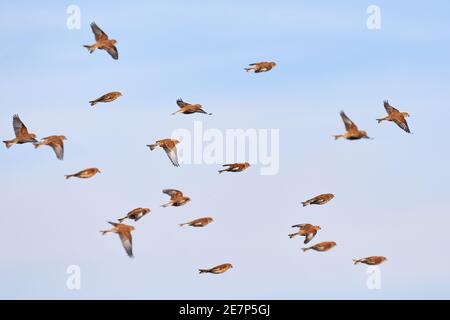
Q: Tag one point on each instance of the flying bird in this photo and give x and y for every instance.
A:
(135, 214)
(102, 42)
(399, 118)
(187, 108)
(305, 230)
(84, 174)
(55, 142)
(109, 97)
(353, 133)
(124, 232)
(177, 199)
(261, 67)
(21, 132)
(235, 167)
(371, 261)
(217, 270)
(169, 146)
(319, 200)
(321, 247)
(198, 223)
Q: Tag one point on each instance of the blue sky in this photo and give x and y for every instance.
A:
(391, 193)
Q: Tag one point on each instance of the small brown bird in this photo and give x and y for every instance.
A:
(399, 118)
(261, 67)
(103, 42)
(305, 230)
(198, 223)
(321, 247)
(84, 174)
(169, 146)
(109, 97)
(55, 142)
(135, 214)
(371, 261)
(235, 167)
(21, 132)
(319, 200)
(217, 270)
(353, 133)
(187, 108)
(177, 199)
(124, 232)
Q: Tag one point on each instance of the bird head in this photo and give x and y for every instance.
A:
(132, 228)
(97, 170)
(405, 114)
(146, 210)
(63, 137)
(231, 266)
(176, 141)
(318, 228)
(113, 42)
(33, 136)
(273, 64)
(187, 199)
(210, 219)
(365, 135)
(247, 164)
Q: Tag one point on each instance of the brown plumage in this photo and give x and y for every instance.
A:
(353, 133)
(217, 270)
(102, 42)
(198, 223)
(399, 118)
(84, 174)
(187, 108)
(109, 97)
(177, 199)
(170, 147)
(321, 247)
(305, 230)
(371, 261)
(235, 167)
(55, 142)
(319, 200)
(135, 214)
(124, 232)
(21, 132)
(261, 67)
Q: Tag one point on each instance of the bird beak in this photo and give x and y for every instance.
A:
(369, 138)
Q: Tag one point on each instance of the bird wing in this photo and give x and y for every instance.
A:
(389, 109)
(309, 237)
(99, 34)
(127, 242)
(181, 103)
(255, 64)
(402, 123)
(349, 125)
(112, 50)
(58, 146)
(172, 154)
(19, 127)
(299, 225)
(173, 193)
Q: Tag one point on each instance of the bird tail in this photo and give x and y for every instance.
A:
(306, 249)
(68, 176)
(152, 146)
(90, 48)
(356, 261)
(37, 145)
(292, 235)
(222, 171)
(167, 205)
(248, 69)
(305, 204)
(105, 232)
(183, 224)
(121, 219)
(380, 120)
(200, 271)
(93, 103)
(337, 137)
(8, 144)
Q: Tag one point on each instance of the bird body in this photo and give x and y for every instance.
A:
(261, 67)
(371, 261)
(218, 269)
(84, 174)
(321, 247)
(394, 115)
(21, 133)
(305, 230)
(169, 146)
(124, 232)
(109, 97)
(55, 142)
(353, 133)
(187, 108)
(235, 167)
(102, 42)
(135, 214)
(198, 223)
(319, 200)
(177, 199)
